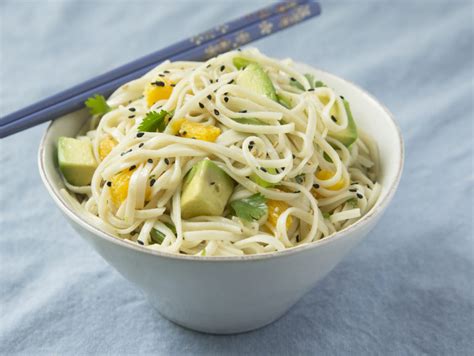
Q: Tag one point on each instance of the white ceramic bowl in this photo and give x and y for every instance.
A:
(234, 294)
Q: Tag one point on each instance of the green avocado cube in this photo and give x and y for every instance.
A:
(254, 78)
(206, 190)
(76, 160)
(349, 134)
(262, 182)
(240, 62)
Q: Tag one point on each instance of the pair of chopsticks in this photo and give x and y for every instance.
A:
(208, 44)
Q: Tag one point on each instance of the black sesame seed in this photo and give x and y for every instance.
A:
(212, 82)
(293, 79)
(243, 111)
(226, 93)
(341, 97)
(217, 80)
(297, 238)
(184, 133)
(140, 242)
(208, 66)
(132, 168)
(161, 75)
(172, 85)
(316, 186)
(166, 71)
(360, 196)
(150, 160)
(131, 116)
(212, 183)
(141, 145)
(263, 169)
(222, 68)
(238, 49)
(209, 97)
(230, 82)
(201, 105)
(109, 184)
(226, 99)
(293, 156)
(282, 168)
(167, 161)
(159, 83)
(333, 118)
(311, 89)
(152, 182)
(353, 190)
(140, 134)
(216, 112)
(132, 109)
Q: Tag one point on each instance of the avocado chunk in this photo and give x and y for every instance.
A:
(240, 62)
(284, 101)
(262, 182)
(349, 134)
(254, 78)
(206, 190)
(76, 160)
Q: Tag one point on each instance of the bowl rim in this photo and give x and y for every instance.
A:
(377, 209)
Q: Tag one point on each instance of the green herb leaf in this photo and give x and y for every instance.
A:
(251, 208)
(326, 215)
(97, 105)
(154, 121)
(352, 203)
(319, 84)
(312, 82)
(157, 236)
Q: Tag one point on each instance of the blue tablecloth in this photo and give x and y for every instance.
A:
(407, 289)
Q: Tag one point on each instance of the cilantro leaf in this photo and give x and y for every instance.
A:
(97, 105)
(250, 208)
(154, 121)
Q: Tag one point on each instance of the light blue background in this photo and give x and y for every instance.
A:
(407, 289)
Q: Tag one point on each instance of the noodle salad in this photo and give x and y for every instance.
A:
(241, 154)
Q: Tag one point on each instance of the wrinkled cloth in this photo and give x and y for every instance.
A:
(406, 290)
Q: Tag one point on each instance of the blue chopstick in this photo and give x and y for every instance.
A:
(154, 58)
(263, 28)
